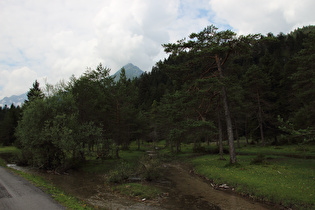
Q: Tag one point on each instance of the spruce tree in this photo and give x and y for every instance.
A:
(34, 93)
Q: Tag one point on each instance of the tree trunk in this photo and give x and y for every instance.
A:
(260, 120)
(118, 129)
(236, 134)
(227, 113)
(245, 130)
(220, 136)
(117, 151)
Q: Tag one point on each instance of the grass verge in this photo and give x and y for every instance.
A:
(283, 180)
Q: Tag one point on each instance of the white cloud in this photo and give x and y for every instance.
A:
(247, 16)
(16, 82)
(133, 31)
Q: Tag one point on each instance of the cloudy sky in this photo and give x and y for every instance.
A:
(50, 40)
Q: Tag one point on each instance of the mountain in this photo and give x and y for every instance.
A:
(16, 100)
(131, 70)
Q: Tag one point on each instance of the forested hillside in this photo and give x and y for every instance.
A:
(215, 86)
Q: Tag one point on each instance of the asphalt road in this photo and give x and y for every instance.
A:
(17, 193)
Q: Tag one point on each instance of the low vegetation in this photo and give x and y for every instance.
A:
(268, 176)
(138, 190)
(9, 149)
(299, 151)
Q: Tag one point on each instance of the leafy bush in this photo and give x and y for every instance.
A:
(149, 168)
(22, 158)
(121, 173)
(146, 168)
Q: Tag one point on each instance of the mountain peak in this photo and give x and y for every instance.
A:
(128, 65)
(17, 100)
(131, 70)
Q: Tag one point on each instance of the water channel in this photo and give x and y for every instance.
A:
(182, 190)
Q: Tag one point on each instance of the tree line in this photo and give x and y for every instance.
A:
(9, 117)
(214, 86)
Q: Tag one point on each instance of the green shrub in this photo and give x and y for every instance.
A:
(121, 173)
(149, 168)
(22, 158)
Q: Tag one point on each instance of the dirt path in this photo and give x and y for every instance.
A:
(18, 194)
(192, 192)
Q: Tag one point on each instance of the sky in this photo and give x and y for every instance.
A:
(50, 40)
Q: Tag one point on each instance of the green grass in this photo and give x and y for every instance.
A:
(288, 150)
(131, 155)
(104, 166)
(9, 149)
(138, 190)
(288, 181)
